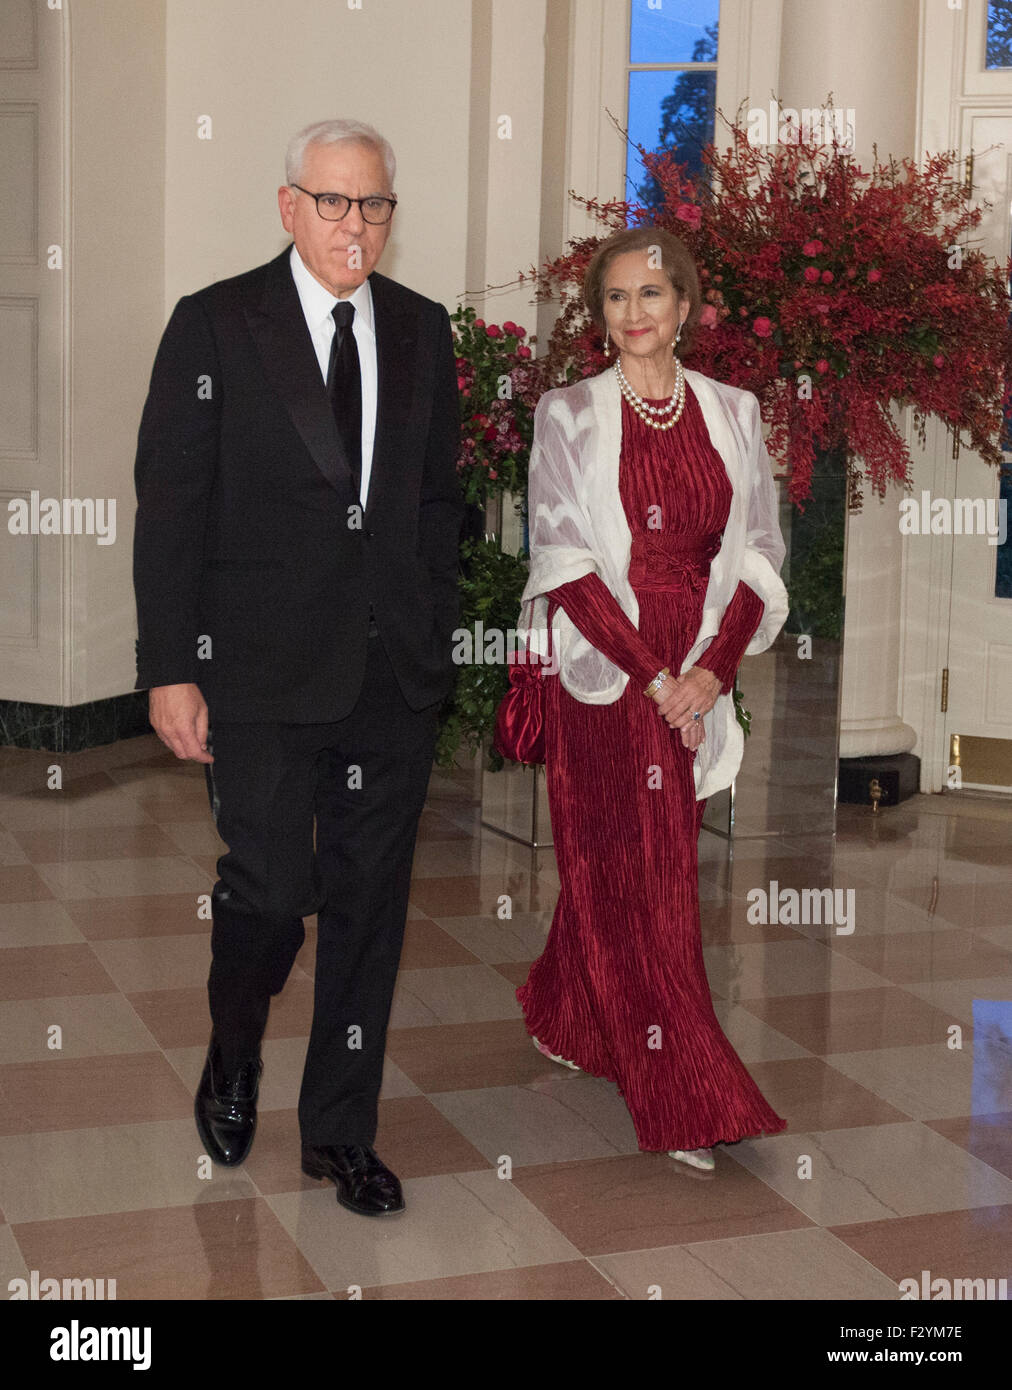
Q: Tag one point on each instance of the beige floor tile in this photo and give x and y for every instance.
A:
(547, 1121)
(22, 883)
(211, 1250)
(852, 1020)
(162, 914)
(748, 970)
(37, 924)
(194, 836)
(39, 972)
(85, 1172)
(783, 1265)
(452, 994)
(10, 850)
(870, 1174)
(440, 859)
(156, 962)
(957, 997)
(90, 1025)
(465, 1223)
(69, 845)
(474, 895)
(929, 1082)
(919, 957)
(42, 811)
(519, 937)
(645, 1200)
(12, 1261)
(468, 1056)
(570, 1281)
(753, 1040)
(101, 878)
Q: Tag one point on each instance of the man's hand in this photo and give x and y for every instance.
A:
(178, 715)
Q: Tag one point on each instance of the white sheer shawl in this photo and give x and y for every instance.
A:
(578, 526)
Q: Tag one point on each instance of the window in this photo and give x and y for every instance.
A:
(999, 34)
(672, 85)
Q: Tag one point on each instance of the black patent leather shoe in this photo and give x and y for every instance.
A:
(225, 1107)
(363, 1183)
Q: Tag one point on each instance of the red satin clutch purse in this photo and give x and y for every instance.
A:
(520, 718)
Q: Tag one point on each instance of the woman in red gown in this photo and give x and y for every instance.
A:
(621, 989)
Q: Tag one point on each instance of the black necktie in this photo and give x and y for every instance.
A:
(344, 386)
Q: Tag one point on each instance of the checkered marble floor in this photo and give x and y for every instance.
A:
(888, 1051)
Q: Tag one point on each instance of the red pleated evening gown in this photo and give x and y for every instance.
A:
(621, 988)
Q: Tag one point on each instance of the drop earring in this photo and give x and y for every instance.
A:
(607, 350)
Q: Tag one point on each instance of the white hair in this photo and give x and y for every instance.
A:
(329, 133)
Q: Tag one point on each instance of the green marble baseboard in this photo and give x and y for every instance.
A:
(71, 728)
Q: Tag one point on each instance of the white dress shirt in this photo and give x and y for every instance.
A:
(317, 303)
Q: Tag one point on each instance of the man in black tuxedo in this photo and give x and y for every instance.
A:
(295, 568)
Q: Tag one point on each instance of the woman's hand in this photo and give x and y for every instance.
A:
(695, 689)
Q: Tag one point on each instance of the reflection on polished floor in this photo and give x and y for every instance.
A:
(887, 1048)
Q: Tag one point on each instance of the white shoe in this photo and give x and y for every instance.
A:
(552, 1057)
(695, 1158)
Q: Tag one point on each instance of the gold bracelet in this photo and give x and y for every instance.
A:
(657, 681)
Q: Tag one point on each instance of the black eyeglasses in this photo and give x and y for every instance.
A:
(332, 207)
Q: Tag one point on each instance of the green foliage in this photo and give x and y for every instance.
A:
(491, 583)
(817, 584)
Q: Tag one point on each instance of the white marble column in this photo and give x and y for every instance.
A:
(863, 52)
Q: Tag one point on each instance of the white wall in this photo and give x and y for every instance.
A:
(262, 70)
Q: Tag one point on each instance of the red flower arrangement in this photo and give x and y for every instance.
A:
(494, 378)
(829, 292)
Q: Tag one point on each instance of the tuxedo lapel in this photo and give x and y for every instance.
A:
(396, 329)
(289, 360)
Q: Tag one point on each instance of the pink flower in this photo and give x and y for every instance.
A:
(510, 327)
(523, 351)
(938, 360)
(492, 474)
(822, 366)
(812, 248)
(708, 318)
(874, 275)
(479, 323)
(811, 274)
(762, 327)
(689, 214)
(827, 277)
(461, 383)
(493, 330)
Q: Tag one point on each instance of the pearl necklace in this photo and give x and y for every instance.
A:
(644, 411)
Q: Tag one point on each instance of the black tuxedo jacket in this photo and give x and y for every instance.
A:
(254, 569)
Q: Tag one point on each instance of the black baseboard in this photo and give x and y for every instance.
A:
(72, 728)
(899, 775)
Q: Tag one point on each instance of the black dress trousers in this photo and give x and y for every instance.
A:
(363, 780)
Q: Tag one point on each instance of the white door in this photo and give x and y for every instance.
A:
(978, 721)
